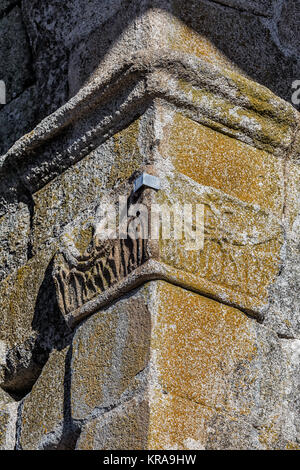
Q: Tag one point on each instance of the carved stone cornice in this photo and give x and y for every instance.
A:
(220, 99)
(153, 270)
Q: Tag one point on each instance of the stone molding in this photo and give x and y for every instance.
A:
(222, 100)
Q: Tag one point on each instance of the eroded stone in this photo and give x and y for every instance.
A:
(123, 428)
(15, 55)
(110, 352)
(44, 410)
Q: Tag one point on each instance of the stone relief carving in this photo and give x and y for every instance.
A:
(81, 277)
(104, 265)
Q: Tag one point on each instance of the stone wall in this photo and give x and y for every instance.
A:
(136, 343)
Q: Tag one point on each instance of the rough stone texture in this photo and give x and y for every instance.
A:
(184, 425)
(283, 313)
(287, 25)
(8, 422)
(17, 118)
(110, 353)
(6, 5)
(43, 412)
(31, 324)
(198, 152)
(190, 27)
(144, 344)
(260, 7)
(216, 357)
(15, 57)
(14, 241)
(61, 37)
(123, 428)
(66, 197)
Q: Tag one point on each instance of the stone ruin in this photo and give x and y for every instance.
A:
(135, 343)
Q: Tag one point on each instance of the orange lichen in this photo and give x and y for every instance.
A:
(199, 344)
(213, 159)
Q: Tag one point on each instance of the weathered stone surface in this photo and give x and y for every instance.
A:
(203, 354)
(110, 353)
(170, 348)
(123, 428)
(244, 234)
(291, 404)
(6, 4)
(14, 239)
(248, 42)
(14, 55)
(17, 118)
(8, 421)
(8, 416)
(180, 424)
(43, 411)
(19, 294)
(274, 134)
(288, 23)
(239, 261)
(191, 28)
(214, 356)
(31, 324)
(69, 22)
(283, 314)
(77, 189)
(261, 7)
(213, 159)
(123, 34)
(242, 243)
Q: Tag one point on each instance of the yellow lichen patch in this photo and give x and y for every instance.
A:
(136, 351)
(83, 238)
(177, 423)
(127, 154)
(204, 351)
(184, 39)
(213, 159)
(267, 132)
(4, 425)
(261, 100)
(18, 297)
(92, 361)
(269, 434)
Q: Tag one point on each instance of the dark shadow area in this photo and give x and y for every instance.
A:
(25, 362)
(258, 46)
(262, 45)
(70, 430)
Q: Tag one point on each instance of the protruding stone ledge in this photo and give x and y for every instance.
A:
(226, 85)
(154, 270)
(216, 98)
